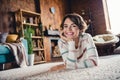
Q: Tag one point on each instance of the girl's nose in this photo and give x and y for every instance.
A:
(69, 28)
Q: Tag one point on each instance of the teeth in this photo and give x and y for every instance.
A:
(70, 33)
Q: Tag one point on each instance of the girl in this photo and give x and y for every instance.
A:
(76, 47)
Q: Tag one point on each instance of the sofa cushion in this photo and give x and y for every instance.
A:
(4, 50)
(6, 58)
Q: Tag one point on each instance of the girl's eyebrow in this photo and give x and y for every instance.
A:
(64, 24)
(74, 24)
(71, 24)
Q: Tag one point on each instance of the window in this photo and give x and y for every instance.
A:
(114, 15)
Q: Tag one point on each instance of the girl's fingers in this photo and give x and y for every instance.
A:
(64, 37)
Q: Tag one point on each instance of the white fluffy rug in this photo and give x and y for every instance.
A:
(20, 73)
(108, 69)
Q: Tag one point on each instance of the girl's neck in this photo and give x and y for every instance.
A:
(76, 42)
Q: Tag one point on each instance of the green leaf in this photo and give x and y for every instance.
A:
(28, 36)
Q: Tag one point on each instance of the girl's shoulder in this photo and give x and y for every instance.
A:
(84, 35)
(61, 41)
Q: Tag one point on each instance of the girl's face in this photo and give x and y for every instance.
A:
(70, 29)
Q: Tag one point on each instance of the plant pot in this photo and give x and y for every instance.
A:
(31, 59)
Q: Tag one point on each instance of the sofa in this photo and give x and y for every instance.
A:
(6, 55)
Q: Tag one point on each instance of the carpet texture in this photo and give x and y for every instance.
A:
(108, 69)
(21, 73)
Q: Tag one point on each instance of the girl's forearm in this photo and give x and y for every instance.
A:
(58, 67)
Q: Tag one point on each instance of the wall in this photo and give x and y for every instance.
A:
(96, 10)
(99, 17)
(47, 17)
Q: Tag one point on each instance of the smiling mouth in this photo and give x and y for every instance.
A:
(70, 33)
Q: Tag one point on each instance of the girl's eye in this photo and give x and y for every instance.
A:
(65, 26)
(74, 26)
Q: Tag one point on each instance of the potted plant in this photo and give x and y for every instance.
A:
(28, 36)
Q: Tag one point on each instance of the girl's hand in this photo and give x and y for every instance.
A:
(57, 68)
(64, 37)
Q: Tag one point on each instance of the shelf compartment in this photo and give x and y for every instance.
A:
(39, 57)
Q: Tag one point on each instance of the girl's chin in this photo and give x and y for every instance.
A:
(70, 37)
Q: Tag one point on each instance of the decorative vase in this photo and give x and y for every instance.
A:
(31, 59)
